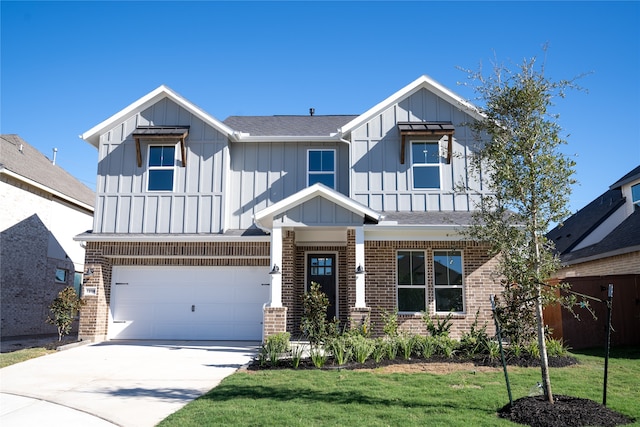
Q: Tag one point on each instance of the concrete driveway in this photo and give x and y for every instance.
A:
(126, 383)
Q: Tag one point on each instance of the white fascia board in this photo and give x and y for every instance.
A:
(90, 237)
(439, 233)
(264, 218)
(47, 189)
(423, 82)
(245, 137)
(93, 135)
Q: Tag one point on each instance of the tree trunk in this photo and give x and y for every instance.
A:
(542, 345)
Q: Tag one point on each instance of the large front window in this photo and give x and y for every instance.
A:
(162, 159)
(321, 167)
(425, 164)
(411, 281)
(448, 281)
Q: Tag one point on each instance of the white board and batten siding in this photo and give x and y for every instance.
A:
(196, 204)
(188, 303)
(381, 182)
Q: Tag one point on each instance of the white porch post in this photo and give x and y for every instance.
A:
(276, 261)
(360, 301)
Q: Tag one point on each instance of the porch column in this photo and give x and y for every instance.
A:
(276, 263)
(360, 300)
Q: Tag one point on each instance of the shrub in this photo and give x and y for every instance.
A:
(439, 329)
(556, 347)
(379, 350)
(362, 347)
(318, 356)
(475, 341)
(390, 323)
(493, 349)
(340, 348)
(445, 346)
(391, 347)
(296, 355)
(532, 349)
(405, 344)
(275, 347)
(314, 322)
(64, 309)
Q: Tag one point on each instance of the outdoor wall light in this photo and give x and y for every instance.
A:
(359, 270)
(275, 269)
(89, 272)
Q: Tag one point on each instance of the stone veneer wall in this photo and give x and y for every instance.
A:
(102, 256)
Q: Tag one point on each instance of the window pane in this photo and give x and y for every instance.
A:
(635, 193)
(447, 268)
(168, 156)
(161, 180)
(404, 268)
(449, 299)
(315, 161)
(426, 177)
(322, 178)
(155, 156)
(61, 275)
(425, 152)
(327, 161)
(417, 268)
(411, 299)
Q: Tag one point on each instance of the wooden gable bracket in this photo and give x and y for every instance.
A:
(426, 129)
(161, 134)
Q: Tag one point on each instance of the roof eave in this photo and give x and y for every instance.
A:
(92, 136)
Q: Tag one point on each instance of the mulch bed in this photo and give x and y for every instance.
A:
(566, 411)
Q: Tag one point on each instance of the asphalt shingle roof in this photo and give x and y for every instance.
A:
(35, 166)
(288, 125)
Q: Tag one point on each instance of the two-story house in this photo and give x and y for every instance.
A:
(208, 229)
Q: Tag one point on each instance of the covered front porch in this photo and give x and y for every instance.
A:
(317, 235)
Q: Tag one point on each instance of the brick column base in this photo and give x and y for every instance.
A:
(274, 321)
(360, 317)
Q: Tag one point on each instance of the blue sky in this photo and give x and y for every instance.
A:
(67, 66)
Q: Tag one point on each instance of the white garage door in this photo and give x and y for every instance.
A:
(188, 303)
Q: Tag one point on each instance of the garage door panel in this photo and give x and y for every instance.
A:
(156, 302)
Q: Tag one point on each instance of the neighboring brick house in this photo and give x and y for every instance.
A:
(600, 245)
(43, 209)
(208, 229)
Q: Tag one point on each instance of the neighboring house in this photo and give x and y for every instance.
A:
(43, 209)
(208, 229)
(600, 245)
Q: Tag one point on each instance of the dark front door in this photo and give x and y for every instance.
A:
(321, 268)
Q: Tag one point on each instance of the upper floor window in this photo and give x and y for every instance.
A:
(321, 167)
(410, 267)
(61, 275)
(635, 195)
(425, 164)
(448, 281)
(162, 160)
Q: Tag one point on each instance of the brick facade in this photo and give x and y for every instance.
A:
(380, 279)
(628, 263)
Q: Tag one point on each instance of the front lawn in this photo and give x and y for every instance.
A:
(458, 395)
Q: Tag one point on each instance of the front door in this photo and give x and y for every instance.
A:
(321, 268)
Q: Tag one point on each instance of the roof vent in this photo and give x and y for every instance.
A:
(312, 111)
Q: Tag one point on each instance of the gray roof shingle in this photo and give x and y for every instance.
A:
(35, 166)
(288, 125)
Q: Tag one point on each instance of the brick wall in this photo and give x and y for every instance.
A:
(616, 265)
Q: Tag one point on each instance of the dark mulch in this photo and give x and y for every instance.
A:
(566, 411)
(306, 363)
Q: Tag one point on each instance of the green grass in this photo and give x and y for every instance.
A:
(334, 397)
(18, 356)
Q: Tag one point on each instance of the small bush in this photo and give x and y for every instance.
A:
(340, 348)
(556, 347)
(391, 347)
(318, 357)
(379, 350)
(296, 355)
(362, 347)
(64, 309)
(314, 322)
(274, 348)
(475, 341)
(405, 344)
(445, 346)
(390, 323)
(439, 329)
(532, 349)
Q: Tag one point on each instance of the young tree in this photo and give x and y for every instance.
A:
(64, 309)
(529, 178)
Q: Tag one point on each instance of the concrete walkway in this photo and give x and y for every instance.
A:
(124, 383)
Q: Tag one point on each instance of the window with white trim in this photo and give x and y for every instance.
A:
(448, 281)
(425, 164)
(411, 283)
(321, 167)
(635, 195)
(161, 171)
(61, 275)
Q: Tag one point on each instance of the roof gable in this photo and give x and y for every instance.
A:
(93, 135)
(27, 163)
(264, 218)
(423, 82)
